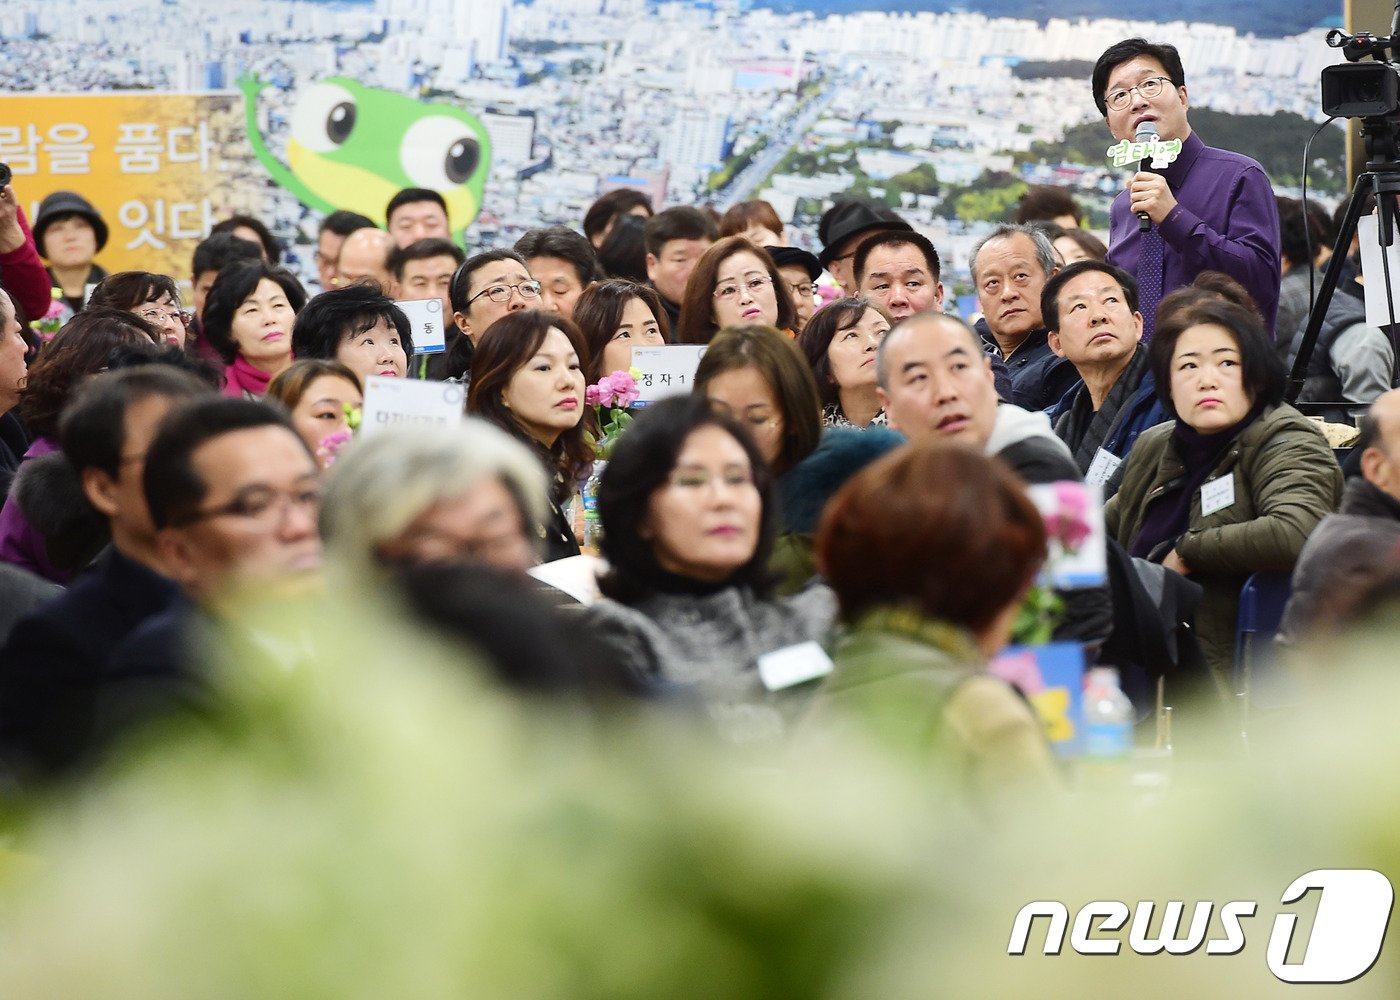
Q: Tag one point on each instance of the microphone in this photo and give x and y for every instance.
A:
(1146, 132)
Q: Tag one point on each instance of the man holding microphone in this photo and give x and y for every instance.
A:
(1208, 210)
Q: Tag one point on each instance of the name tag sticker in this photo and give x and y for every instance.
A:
(1102, 468)
(791, 665)
(426, 321)
(1217, 495)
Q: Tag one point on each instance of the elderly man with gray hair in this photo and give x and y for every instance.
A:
(1009, 269)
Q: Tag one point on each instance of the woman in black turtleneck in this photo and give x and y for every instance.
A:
(1235, 484)
(689, 517)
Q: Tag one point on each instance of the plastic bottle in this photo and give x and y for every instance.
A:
(1108, 718)
(592, 526)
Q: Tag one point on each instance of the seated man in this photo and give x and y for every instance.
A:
(844, 228)
(1091, 312)
(364, 256)
(1355, 545)
(899, 272)
(935, 381)
(676, 239)
(564, 264)
(54, 664)
(1009, 269)
(415, 214)
(210, 257)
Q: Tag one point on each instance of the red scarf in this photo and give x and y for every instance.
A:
(241, 378)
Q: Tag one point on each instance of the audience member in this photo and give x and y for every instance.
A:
(734, 283)
(22, 273)
(799, 271)
(415, 214)
(320, 395)
(603, 214)
(1074, 245)
(564, 264)
(423, 270)
(840, 344)
(153, 297)
(624, 253)
(527, 379)
(364, 256)
(1009, 269)
(1048, 203)
(69, 233)
(488, 286)
(1302, 241)
(248, 319)
(757, 221)
(330, 237)
(358, 326)
(614, 317)
(14, 438)
(676, 239)
(210, 257)
(1237, 482)
(899, 272)
(842, 230)
(245, 227)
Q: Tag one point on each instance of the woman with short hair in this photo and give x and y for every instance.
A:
(153, 297)
(840, 343)
(248, 319)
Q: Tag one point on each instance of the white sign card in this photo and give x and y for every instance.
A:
(792, 665)
(666, 371)
(426, 320)
(1073, 515)
(401, 402)
(1217, 495)
(1102, 468)
(1378, 311)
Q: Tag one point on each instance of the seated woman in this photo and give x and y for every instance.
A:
(153, 297)
(419, 495)
(734, 284)
(360, 327)
(840, 343)
(756, 221)
(689, 520)
(759, 377)
(248, 319)
(527, 379)
(615, 316)
(319, 395)
(1236, 482)
(486, 287)
(930, 551)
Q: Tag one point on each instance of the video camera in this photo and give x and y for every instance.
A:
(1356, 89)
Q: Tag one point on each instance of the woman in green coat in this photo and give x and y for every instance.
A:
(1236, 483)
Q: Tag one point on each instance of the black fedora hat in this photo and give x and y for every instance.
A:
(847, 218)
(62, 203)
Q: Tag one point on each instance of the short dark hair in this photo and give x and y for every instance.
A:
(815, 340)
(611, 206)
(174, 490)
(1300, 234)
(1050, 294)
(783, 366)
(624, 253)
(343, 223)
(1048, 202)
(410, 196)
(505, 347)
(92, 431)
(564, 243)
(293, 381)
(166, 355)
(1206, 286)
(697, 320)
(598, 312)
(129, 289)
(1085, 240)
(234, 284)
(78, 350)
(332, 317)
(219, 251)
(272, 250)
(640, 465)
(944, 528)
(462, 280)
(681, 222)
(432, 246)
(1261, 369)
(894, 238)
(1130, 48)
(746, 214)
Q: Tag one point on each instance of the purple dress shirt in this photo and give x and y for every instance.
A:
(1225, 219)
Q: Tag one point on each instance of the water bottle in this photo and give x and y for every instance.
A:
(1108, 718)
(592, 526)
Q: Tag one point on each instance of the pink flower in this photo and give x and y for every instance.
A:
(624, 387)
(56, 309)
(332, 443)
(600, 394)
(1070, 524)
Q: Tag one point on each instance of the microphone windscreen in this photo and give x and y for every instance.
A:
(1146, 131)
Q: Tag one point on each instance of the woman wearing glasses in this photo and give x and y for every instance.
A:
(527, 379)
(690, 516)
(485, 288)
(734, 284)
(153, 297)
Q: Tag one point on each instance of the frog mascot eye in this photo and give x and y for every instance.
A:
(439, 152)
(324, 118)
(353, 147)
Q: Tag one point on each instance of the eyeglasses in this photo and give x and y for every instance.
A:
(262, 507)
(731, 289)
(807, 289)
(1149, 89)
(501, 293)
(159, 316)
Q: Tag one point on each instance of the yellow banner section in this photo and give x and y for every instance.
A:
(161, 169)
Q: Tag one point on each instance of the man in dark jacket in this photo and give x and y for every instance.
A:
(1091, 312)
(53, 665)
(1009, 269)
(1361, 540)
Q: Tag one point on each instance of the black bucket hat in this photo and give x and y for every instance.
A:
(62, 203)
